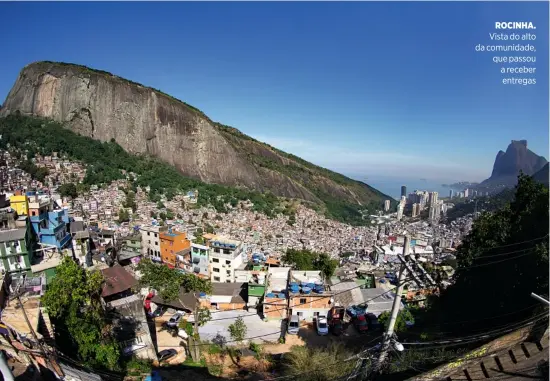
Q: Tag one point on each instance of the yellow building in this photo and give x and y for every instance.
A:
(20, 204)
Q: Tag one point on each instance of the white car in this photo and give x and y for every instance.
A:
(322, 326)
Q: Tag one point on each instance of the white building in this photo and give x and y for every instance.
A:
(150, 242)
(400, 209)
(387, 205)
(226, 256)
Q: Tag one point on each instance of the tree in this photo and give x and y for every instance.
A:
(403, 317)
(73, 301)
(68, 190)
(305, 260)
(168, 282)
(123, 215)
(237, 330)
(502, 260)
(130, 201)
(318, 364)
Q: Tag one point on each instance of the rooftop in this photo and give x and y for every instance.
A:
(13, 316)
(12, 234)
(277, 278)
(117, 280)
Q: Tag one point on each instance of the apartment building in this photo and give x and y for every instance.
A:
(150, 241)
(226, 256)
(49, 221)
(199, 259)
(172, 245)
(308, 295)
(16, 243)
(20, 203)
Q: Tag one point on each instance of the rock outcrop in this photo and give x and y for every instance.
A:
(517, 158)
(146, 121)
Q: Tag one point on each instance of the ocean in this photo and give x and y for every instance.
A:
(392, 186)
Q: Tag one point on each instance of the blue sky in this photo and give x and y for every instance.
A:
(371, 90)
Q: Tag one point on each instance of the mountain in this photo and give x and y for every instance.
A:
(542, 175)
(145, 121)
(517, 158)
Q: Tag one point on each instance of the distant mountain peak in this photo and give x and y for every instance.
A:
(517, 158)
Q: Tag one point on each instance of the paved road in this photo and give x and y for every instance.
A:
(268, 331)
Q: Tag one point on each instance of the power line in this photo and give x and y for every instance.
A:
(510, 327)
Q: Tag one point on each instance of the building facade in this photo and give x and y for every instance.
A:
(150, 242)
(225, 257)
(172, 242)
(200, 259)
(387, 205)
(305, 299)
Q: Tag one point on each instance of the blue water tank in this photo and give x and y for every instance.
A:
(306, 290)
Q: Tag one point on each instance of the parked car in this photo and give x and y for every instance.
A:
(374, 324)
(335, 320)
(293, 325)
(175, 319)
(167, 354)
(360, 322)
(322, 326)
(159, 311)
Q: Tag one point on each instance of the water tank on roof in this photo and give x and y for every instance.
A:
(306, 290)
(202, 295)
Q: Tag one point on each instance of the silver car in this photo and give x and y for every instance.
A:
(175, 319)
(322, 326)
(293, 325)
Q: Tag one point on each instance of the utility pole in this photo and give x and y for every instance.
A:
(394, 311)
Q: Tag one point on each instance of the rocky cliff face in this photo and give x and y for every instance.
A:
(145, 121)
(516, 158)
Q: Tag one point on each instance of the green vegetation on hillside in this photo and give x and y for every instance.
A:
(491, 203)
(107, 161)
(501, 261)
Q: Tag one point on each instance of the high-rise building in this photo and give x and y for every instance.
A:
(387, 205)
(433, 198)
(415, 210)
(403, 191)
(400, 209)
(451, 193)
(466, 192)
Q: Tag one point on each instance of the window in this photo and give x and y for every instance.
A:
(300, 313)
(216, 270)
(215, 260)
(303, 301)
(216, 279)
(149, 241)
(156, 235)
(148, 233)
(228, 272)
(156, 243)
(228, 262)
